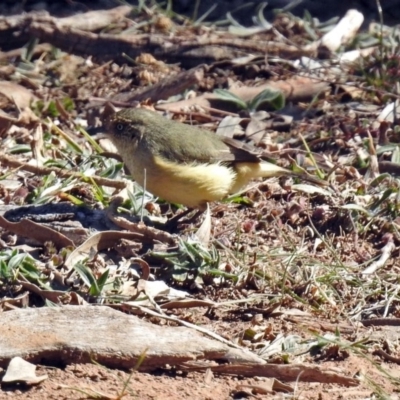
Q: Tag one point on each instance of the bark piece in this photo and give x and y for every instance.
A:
(345, 30)
(82, 334)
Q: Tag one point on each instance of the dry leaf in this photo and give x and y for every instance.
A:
(13, 93)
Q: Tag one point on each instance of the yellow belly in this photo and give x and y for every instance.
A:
(192, 185)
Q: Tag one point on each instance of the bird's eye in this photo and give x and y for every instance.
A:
(120, 127)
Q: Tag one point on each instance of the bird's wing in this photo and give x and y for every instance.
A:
(206, 148)
(237, 151)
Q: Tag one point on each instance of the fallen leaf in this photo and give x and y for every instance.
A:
(13, 93)
(32, 230)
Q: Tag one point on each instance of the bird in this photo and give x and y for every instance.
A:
(184, 164)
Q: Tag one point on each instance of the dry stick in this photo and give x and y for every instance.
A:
(14, 163)
(381, 322)
(386, 356)
(386, 253)
(141, 228)
(282, 372)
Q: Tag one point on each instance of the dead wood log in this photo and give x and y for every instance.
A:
(82, 334)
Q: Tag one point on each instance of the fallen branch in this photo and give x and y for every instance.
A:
(300, 372)
(172, 49)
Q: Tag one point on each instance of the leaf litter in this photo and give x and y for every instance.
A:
(277, 248)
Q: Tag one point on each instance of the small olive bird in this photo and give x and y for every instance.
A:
(184, 164)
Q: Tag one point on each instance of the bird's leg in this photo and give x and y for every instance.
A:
(172, 223)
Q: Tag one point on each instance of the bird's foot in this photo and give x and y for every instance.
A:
(173, 223)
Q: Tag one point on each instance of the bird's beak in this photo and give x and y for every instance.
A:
(101, 135)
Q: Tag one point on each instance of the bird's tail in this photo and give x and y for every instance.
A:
(267, 170)
(247, 171)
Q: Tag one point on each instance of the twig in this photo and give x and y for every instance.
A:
(386, 356)
(141, 228)
(386, 252)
